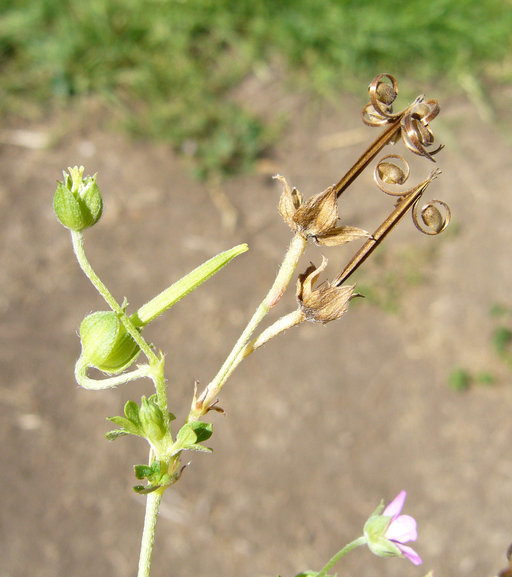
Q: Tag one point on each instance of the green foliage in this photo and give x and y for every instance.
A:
(501, 339)
(155, 474)
(502, 342)
(170, 68)
(485, 378)
(145, 421)
(459, 379)
(191, 435)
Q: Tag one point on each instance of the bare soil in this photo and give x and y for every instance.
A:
(321, 423)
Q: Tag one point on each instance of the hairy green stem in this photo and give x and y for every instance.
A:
(284, 323)
(291, 259)
(155, 371)
(78, 247)
(356, 543)
(148, 534)
(101, 384)
(155, 363)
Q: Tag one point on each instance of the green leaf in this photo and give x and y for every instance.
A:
(190, 435)
(153, 473)
(459, 379)
(186, 436)
(142, 490)
(143, 471)
(184, 286)
(200, 448)
(131, 410)
(501, 340)
(115, 434)
(202, 430)
(128, 427)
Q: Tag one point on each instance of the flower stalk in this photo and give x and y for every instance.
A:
(148, 534)
(340, 554)
(201, 405)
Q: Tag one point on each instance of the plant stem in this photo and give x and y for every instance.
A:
(101, 384)
(291, 259)
(78, 247)
(148, 534)
(356, 543)
(155, 363)
(284, 323)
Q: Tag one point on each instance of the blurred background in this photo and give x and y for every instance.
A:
(185, 110)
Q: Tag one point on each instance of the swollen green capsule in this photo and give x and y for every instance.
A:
(77, 201)
(105, 343)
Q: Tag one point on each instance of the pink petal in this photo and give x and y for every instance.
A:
(410, 554)
(396, 505)
(402, 529)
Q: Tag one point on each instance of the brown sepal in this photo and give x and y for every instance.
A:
(327, 302)
(319, 214)
(290, 201)
(341, 235)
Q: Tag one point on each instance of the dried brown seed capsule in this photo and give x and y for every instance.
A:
(391, 173)
(386, 93)
(433, 218)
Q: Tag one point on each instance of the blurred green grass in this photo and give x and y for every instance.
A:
(170, 66)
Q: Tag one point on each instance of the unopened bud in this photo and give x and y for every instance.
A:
(77, 201)
(106, 344)
(152, 420)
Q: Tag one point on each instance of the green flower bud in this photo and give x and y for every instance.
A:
(105, 343)
(77, 201)
(152, 420)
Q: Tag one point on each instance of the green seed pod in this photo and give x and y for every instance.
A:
(105, 343)
(77, 201)
(152, 420)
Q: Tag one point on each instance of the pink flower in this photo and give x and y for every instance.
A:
(387, 531)
(401, 528)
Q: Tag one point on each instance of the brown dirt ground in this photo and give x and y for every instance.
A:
(321, 424)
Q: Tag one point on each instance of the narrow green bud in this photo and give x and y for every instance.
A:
(105, 343)
(77, 201)
(181, 288)
(152, 420)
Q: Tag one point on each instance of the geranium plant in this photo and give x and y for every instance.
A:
(113, 342)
